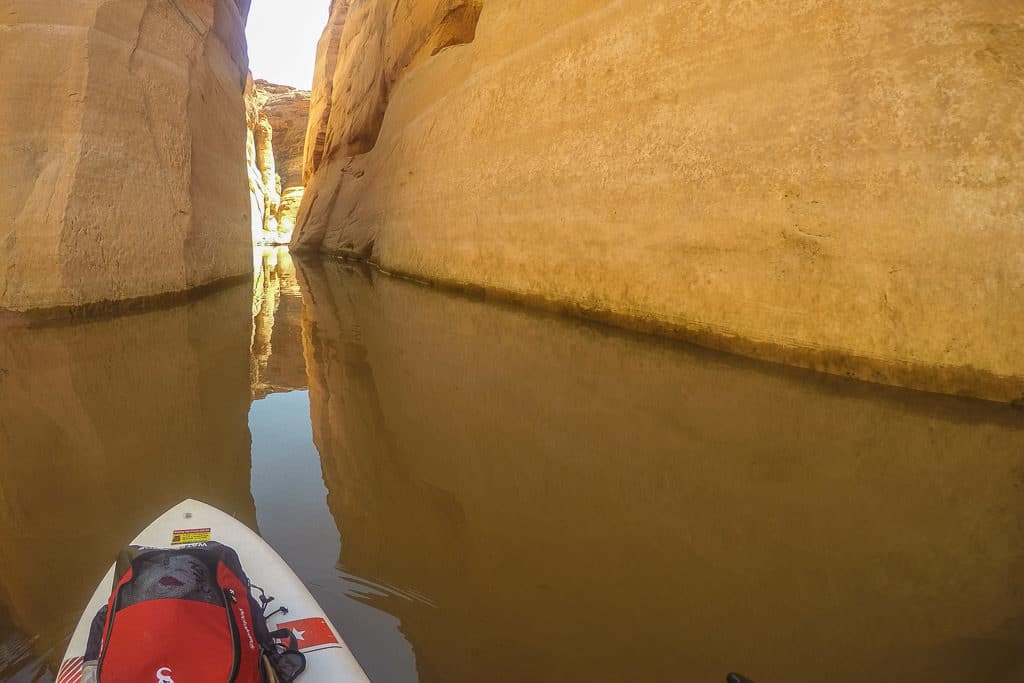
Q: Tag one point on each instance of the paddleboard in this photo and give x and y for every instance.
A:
(328, 658)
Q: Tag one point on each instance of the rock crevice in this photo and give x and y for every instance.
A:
(364, 52)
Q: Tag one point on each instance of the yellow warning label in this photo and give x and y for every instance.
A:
(189, 536)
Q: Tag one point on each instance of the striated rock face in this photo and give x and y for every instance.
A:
(363, 52)
(264, 183)
(276, 117)
(328, 51)
(287, 112)
(120, 149)
(291, 201)
(831, 184)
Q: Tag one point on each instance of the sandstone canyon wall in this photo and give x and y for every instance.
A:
(276, 117)
(287, 111)
(328, 52)
(264, 183)
(121, 143)
(829, 183)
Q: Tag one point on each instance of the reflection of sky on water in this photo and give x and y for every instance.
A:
(291, 507)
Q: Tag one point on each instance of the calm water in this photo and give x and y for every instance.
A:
(477, 492)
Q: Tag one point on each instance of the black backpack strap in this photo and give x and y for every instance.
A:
(92, 648)
(284, 634)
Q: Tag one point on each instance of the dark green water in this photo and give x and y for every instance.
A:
(477, 492)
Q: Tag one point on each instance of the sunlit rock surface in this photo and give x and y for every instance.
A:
(328, 52)
(291, 201)
(535, 497)
(287, 111)
(264, 183)
(276, 118)
(831, 184)
(121, 137)
(103, 427)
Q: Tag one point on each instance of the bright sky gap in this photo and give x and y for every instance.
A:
(282, 36)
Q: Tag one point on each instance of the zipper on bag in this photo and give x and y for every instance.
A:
(236, 640)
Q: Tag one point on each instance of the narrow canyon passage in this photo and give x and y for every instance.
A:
(428, 389)
(479, 492)
(828, 185)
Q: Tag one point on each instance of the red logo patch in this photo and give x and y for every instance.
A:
(311, 634)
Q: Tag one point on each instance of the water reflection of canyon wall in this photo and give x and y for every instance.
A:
(103, 426)
(577, 504)
(276, 362)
